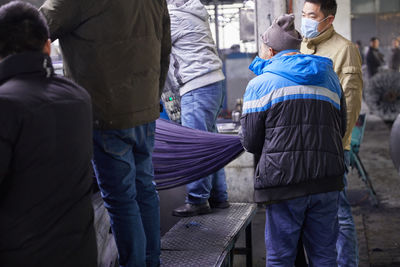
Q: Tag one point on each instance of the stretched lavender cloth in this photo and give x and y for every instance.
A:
(183, 155)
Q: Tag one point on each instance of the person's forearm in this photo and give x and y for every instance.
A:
(165, 50)
(353, 104)
(252, 139)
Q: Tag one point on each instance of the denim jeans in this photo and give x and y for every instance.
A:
(199, 110)
(347, 240)
(123, 165)
(312, 217)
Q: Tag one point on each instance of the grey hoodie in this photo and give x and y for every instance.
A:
(194, 59)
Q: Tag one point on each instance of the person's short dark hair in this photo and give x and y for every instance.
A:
(359, 43)
(22, 28)
(373, 39)
(328, 7)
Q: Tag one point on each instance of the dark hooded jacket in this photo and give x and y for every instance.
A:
(394, 63)
(374, 61)
(118, 50)
(294, 117)
(46, 215)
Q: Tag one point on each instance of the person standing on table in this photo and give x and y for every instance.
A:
(197, 69)
(320, 38)
(294, 117)
(119, 52)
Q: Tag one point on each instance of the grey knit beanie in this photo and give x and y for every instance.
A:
(282, 35)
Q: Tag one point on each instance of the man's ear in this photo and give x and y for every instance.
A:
(273, 52)
(47, 47)
(331, 18)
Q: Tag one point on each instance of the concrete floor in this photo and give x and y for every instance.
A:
(378, 228)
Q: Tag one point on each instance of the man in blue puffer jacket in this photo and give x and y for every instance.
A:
(294, 117)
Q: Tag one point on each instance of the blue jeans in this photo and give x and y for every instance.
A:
(123, 165)
(199, 110)
(346, 245)
(313, 217)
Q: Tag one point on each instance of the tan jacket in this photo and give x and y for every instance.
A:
(347, 65)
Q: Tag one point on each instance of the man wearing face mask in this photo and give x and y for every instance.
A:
(321, 39)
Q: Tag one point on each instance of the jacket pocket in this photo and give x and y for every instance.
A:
(351, 70)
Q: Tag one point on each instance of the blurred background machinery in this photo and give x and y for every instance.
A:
(382, 94)
(395, 143)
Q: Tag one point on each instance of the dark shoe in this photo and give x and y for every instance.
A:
(219, 205)
(188, 210)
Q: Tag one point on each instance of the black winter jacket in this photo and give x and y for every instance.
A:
(394, 63)
(118, 50)
(374, 61)
(294, 117)
(46, 216)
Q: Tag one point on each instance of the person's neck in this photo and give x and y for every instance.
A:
(291, 53)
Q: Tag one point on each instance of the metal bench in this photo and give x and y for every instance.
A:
(355, 161)
(209, 240)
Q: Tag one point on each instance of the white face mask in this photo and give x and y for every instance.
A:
(309, 27)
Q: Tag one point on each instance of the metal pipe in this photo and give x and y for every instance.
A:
(216, 24)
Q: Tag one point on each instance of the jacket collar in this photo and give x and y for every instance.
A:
(312, 43)
(25, 63)
(259, 65)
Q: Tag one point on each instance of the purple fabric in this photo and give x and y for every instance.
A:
(183, 155)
